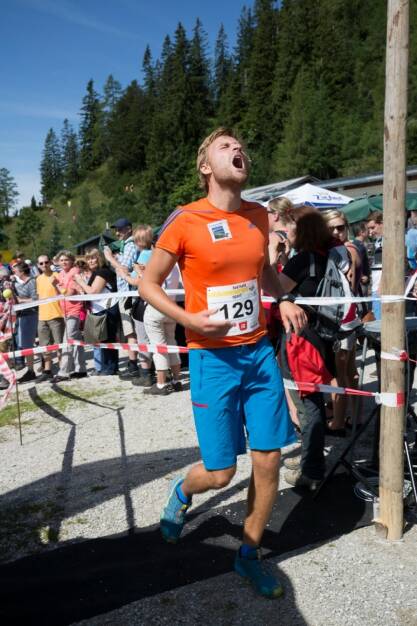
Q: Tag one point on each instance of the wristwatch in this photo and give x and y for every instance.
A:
(287, 297)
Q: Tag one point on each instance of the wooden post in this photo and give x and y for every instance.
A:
(393, 314)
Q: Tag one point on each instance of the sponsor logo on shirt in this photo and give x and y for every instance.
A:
(219, 230)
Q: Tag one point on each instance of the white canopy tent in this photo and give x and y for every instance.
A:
(316, 196)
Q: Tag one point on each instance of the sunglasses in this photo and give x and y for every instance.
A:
(44, 262)
(340, 228)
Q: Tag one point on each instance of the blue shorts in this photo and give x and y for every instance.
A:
(233, 389)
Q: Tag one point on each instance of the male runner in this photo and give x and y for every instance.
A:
(221, 245)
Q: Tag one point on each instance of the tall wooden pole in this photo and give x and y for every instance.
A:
(393, 314)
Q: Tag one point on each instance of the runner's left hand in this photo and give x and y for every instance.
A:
(293, 316)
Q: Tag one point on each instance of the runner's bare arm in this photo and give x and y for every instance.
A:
(158, 268)
(277, 285)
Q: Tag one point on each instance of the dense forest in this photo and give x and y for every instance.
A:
(303, 85)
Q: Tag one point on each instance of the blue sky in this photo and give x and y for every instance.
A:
(51, 48)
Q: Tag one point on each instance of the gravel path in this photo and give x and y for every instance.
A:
(96, 460)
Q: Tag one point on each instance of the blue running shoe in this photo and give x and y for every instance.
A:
(260, 574)
(173, 515)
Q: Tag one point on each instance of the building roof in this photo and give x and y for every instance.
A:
(107, 236)
(362, 179)
(267, 192)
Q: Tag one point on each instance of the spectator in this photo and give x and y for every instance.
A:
(346, 373)
(73, 358)
(19, 256)
(161, 330)
(33, 269)
(360, 233)
(306, 357)
(411, 240)
(125, 260)
(143, 236)
(102, 280)
(27, 320)
(51, 325)
(376, 229)
(5, 283)
(279, 217)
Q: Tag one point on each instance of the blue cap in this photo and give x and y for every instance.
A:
(144, 257)
(122, 222)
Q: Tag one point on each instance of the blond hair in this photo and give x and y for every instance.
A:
(144, 233)
(284, 207)
(95, 252)
(334, 214)
(66, 253)
(222, 131)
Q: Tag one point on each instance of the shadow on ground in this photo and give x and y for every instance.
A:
(80, 580)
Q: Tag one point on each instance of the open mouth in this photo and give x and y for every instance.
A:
(237, 162)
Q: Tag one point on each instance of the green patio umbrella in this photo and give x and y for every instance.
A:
(359, 209)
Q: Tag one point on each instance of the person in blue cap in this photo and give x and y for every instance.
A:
(125, 260)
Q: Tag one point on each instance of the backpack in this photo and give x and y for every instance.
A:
(334, 322)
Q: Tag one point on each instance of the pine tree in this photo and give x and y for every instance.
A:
(222, 68)
(70, 157)
(127, 138)
(84, 225)
(91, 151)
(412, 89)
(149, 77)
(28, 227)
(8, 193)
(257, 121)
(112, 92)
(150, 91)
(55, 241)
(297, 23)
(235, 101)
(169, 144)
(126, 204)
(200, 105)
(307, 146)
(33, 204)
(243, 50)
(51, 168)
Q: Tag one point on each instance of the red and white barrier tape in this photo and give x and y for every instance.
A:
(397, 355)
(385, 398)
(135, 347)
(10, 376)
(7, 321)
(117, 295)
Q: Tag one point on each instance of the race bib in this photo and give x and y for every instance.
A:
(238, 304)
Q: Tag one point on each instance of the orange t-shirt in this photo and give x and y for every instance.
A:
(221, 257)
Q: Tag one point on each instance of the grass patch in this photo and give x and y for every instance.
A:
(8, 415)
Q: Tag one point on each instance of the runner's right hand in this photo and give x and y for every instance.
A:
(203, 324)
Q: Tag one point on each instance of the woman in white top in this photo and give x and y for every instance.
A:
(161, 330)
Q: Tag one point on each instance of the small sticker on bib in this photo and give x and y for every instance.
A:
(237, 303)
(219, 231)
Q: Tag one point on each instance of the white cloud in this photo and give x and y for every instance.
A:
(70, 13)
